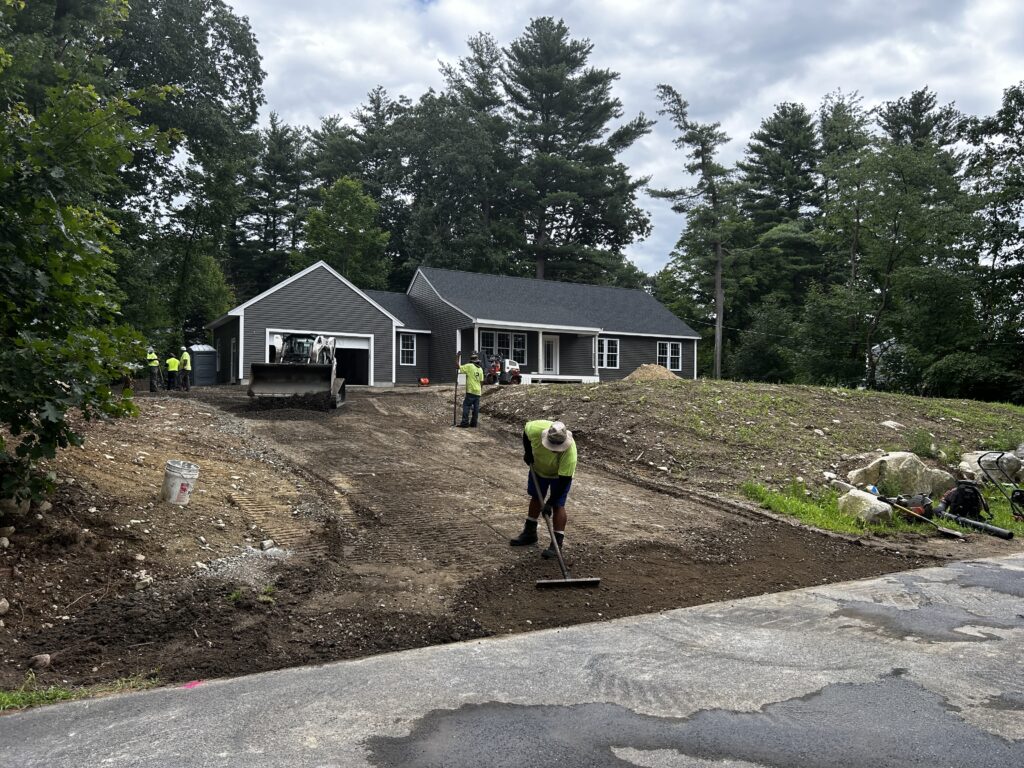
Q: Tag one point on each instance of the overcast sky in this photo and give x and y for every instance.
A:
(733, 61)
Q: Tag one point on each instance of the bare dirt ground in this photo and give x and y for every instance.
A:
(392, 531)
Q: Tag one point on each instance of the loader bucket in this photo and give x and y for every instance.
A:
(301, 381)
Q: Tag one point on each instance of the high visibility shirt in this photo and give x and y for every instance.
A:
(549, 464)
(172, 364)
(474, 378)
(186, 361)
(154, 361)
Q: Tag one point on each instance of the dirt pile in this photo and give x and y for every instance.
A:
(648, 372)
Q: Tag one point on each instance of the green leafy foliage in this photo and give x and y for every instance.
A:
(65, 348)
(342, 231)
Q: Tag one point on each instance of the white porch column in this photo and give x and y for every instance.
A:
(540, 352)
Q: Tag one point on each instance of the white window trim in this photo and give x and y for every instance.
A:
(512, 332)
(668, 356)
(401, 350)
(603, 356)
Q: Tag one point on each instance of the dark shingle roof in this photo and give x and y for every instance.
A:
(399, 305)
(548, 302)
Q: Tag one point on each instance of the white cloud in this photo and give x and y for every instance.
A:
(733, 61)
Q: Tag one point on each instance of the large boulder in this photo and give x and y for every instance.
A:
(1009, 462)
(904, 471)
(865, 506)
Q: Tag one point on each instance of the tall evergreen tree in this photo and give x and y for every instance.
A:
(709, 206)
(272, 226)
(778, 172)
(577, 202)
(995, 174)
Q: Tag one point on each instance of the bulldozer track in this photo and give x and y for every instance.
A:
(300, 536)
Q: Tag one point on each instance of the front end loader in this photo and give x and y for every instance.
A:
(303, 368)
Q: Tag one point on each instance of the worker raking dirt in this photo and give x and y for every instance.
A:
(550, 452)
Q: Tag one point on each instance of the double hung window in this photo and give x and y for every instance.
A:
(407, 348)
(670, 355)
(607, 353)
(504, 344)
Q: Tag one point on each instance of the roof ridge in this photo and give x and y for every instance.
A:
(533, 279)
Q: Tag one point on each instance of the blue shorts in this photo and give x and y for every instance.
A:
(545, 484)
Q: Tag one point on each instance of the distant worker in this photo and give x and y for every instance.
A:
(550, 452)
(474, 380)
(172, 372)
(186, 370)
(154, 368)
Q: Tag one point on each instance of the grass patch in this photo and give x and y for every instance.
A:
(822, 511)
(921, 443)
(1002, 516)
(33, 694)
(234, 597)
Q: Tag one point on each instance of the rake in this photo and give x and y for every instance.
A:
(567, 581)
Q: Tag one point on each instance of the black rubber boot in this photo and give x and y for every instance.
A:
(528, 535)
(472, 424)
(462, 426)
(549, 553)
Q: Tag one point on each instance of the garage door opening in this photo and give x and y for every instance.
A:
(353, 354)
(353, 365)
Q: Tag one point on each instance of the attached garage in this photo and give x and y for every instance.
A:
(317, 301)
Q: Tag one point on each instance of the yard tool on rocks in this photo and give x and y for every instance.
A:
(567, 580)
(920, 517)
(977, 525)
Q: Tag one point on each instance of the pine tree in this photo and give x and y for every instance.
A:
(778, 172)
(709, 206)
(577, 203)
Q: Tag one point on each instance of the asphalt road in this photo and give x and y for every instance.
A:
(924, 668)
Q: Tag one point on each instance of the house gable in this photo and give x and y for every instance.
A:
(318, 300)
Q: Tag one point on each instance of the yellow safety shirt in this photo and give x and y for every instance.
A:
(549, 464)
(474, 378)
(186, 361)
(154, 361)
(172, 364)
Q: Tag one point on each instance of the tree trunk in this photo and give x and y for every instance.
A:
(539, 243)
(719, 310)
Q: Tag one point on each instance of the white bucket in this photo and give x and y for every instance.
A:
(179, 480)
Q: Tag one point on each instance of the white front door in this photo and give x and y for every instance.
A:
(550, 355)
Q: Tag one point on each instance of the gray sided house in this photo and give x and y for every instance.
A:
(316, 300)
(555, 331)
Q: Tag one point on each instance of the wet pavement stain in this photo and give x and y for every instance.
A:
(1013, 702)
(932, 622)
(991, 577)
(892, 722)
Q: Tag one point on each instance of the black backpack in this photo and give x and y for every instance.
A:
(965, 500)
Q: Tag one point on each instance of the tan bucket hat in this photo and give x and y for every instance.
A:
(556, 438)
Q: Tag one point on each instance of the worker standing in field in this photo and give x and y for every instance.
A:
(172, 372)
(550, 451)
(186, 370)
(154, 368)
(474, 387)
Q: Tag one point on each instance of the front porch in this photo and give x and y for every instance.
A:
(549, 353)
(551, 378)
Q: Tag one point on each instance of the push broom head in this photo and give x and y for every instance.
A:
(567, 583)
